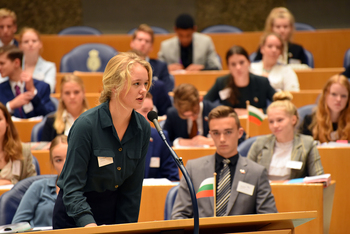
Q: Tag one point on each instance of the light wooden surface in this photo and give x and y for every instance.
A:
(24, 128)
(327, 46)
(249, 224)
(336, 161)
(92, 98)
(92, 81)
(43, 157)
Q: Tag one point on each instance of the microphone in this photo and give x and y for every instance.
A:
(153, 117)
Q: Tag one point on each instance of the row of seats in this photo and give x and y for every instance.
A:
(220, 28)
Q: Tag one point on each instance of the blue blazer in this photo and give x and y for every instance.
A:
(160, 72)
(160, 95)
(41, 102)
(167, 166)
(177, 127)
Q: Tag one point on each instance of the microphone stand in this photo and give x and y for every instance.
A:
(187, 178)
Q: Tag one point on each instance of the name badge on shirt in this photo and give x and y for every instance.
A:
(28, 108)
(294, 165)
(155, 162)
(103, 161)
(16, 168)
(294, 61)
(245, 188)
(225, 93)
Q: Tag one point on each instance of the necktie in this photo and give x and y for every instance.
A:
(194, 130)
(18, 92)
(224, 189)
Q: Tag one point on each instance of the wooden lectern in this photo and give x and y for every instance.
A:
(279, 223)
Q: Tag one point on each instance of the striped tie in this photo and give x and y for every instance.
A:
(224, 189)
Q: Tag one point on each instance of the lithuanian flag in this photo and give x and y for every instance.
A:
(255, 115)
(206, 189)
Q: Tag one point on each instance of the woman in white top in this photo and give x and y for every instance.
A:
(33, 63)
(281, 77)
(284, 153)
(70, 106)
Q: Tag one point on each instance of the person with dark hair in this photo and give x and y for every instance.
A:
(240, 85)
(24, 96)
(189, 50)
(233, 173)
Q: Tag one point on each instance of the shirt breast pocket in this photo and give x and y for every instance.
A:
(105, 160)
(133, 158)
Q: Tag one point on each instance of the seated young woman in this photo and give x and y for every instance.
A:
(281, 76)
(16, 161)
(240, 85)
(33, 63)
(36, 206)
(281, 21)
(71, 105)
(331, 119)
(284, 153)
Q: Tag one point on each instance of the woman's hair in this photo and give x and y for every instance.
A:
(59, 124)
(283, 99)
(266, 35)
(231, 84)
(26, 29)
(118, 73)
(11, 144)
(56, 141)
(279, 12)
(321, 125)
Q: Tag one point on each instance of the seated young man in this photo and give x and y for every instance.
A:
(242, 185)
(23, 96)
(159, 162)
(8, 27)
(188, 50)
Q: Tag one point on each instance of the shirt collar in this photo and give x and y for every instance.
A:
(11, 42)
(219, 158)
(52, 182)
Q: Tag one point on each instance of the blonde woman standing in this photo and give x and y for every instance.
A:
(101, 181)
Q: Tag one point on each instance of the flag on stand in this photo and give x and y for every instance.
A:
(206, 189)
(255, 115)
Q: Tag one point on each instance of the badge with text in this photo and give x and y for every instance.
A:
(294, 165)
(16, 168)
(28, 108)
(245, 188)
(103, 161)
(225, 93)
(155, 162)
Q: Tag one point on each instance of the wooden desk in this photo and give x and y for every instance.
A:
(92, 81)
(24, 128)
(320, 43)
(316, 78)
(336, 161)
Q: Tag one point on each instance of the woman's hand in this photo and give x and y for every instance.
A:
(91, 225)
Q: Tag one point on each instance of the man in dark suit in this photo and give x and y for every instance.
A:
(242, 186)
(23, 96)
(8, 27)
(187, 121)
(142, 41)
(159, 163)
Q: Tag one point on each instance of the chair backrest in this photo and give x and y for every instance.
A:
(10, 200)
(303, 111)
(347, 58)
(90, 57)
(54, 101)
(36, 164)
(221, 28)
(303, 27)
(156, 30)
(169, 202)
(38, 129)
(244, 147)
(79, 30)
(252, 56)
(310, 58)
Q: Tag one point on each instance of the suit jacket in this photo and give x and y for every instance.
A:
(160, 95)
(304, 150)
(49, 132)
(295, 51)
(177, 127)
(157, 150)
(41, 102)
(160, 72)
(261, 201)
(203, 51)
(260, 92)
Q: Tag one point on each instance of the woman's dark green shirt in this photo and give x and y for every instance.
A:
(93, 138)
